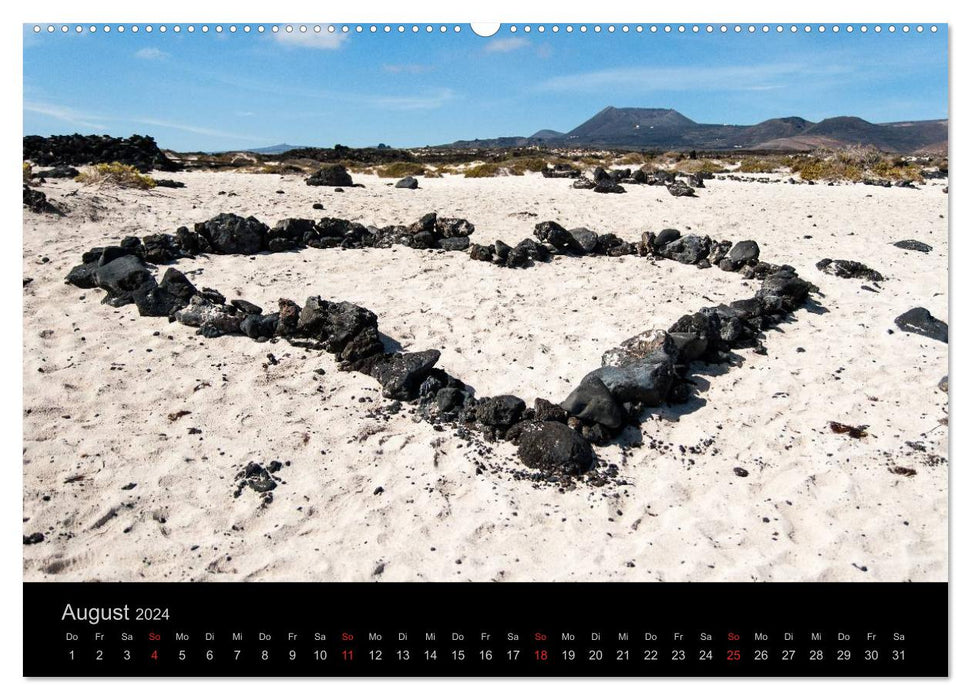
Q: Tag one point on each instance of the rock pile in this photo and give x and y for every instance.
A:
(612, 181)
(331, 175)
(561, 170)
(140, 152)
(61, 171)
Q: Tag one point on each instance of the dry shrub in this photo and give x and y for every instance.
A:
(116, 174)
(635, 159)
(281, 169)
(28, 172)
(830, 170)
(699, 166)
(898, 170)
(524, 164)
(758, 165)
(593, 161)
(400, 169)
(864, 156)
(483, 170)
(853, 164)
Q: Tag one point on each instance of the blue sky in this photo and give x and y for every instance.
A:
(222, 91)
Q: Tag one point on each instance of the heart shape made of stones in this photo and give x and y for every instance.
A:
(554, 440)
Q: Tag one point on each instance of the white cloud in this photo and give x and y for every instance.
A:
(428, 100)
(192, 129)
(506, 45)
(65, 114)
(151, 54)
(311, 39)
(90, 121)
(651, 78)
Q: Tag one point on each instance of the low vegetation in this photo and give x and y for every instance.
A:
(698, 166)
(759, 165)
(28, 172)
(484, 170)
(116, 174)
(853, 165)
(400, 169)
(635, 159)
(281, 169)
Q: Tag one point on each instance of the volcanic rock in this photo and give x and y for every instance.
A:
(36, 201)
(201, 312)
(646, 380)
(58, 172)
(499, 411)
(122, 276)
(544, 410)
(919, 320)
(848, 269)
(260, 327)
(911, 244)
(331, 175)
(560, 170)
(554, 234)
(139, 151)
(455, 243)
(555, 448)
(610, 187)
(533, 250)
(744, 251)
(585, 240)
(452, 228)
(232, 234)
(592, 401)
(680, 189)
(689, 249)
(480, 252)
(640, 346)
(665, 237)
(401, 375)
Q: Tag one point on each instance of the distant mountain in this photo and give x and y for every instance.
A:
(273, 150)
(547, 135)
(651, 128)
(631, 123)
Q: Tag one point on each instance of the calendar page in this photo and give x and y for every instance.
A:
(445, 349)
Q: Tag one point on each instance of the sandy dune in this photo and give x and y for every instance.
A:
(122, 492)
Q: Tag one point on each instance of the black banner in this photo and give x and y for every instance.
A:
(479, 629)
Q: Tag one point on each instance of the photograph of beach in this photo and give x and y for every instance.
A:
(308, 303)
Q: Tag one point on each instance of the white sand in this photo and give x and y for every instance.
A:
(816, 506)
